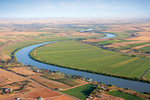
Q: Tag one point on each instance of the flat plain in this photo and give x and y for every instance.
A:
(79, 55)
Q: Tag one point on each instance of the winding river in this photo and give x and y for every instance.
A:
(23, 56)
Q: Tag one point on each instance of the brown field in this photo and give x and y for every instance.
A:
(124, 43)
(9, 77)
(31, 91)
(49, 83)
(22, 71)
(62, 97)
(44, 93)
(36, 90)
(141, 46)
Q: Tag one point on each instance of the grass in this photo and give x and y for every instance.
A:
(147, 76)
(54, 39)
(46, 34)
(112, 41)
(66, 80)
(121, 35)
(78, 55)
(81, 92)
(146, 49)
(134, 45)
(124, 95)
(6, 38)
(10, 48)
(138, 44)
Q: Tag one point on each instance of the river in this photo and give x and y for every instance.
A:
(23, 56)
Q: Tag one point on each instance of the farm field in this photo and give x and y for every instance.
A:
(30, 91)
(147, 76)
(7, 77)
(74, 54)
(23, 71)
(146, 49)
(10, 48)
(112, 41)
(65, 80)
(49, 83)
(124, 95)
(81, 92)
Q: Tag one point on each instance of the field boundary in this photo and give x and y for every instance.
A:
(145, 73)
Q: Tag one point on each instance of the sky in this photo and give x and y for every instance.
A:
(75, 8)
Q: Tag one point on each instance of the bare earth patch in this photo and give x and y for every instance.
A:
(141, 46)
(10, 77)
(44, 93)
(22, 71)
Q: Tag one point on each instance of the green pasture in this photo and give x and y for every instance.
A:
(129, 46)
(146, 49)
(74, 54)
(147, 76)
(124, 95)
(81, 92)
(10, 48)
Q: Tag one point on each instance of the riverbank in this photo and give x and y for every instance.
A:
(24, 58)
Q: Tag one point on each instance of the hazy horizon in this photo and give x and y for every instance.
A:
(75, 8)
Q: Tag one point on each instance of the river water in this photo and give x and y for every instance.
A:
(23, 56)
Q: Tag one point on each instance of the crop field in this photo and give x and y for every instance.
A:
(65, 80)
(124, 95)
(10, 48)
(146, 49)
(112, 41)
(74, 54)
(81, 92)
(147, 76)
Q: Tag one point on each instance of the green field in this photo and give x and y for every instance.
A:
(111, 41)
(121, 35)
(59, 78)
(129, 46)
(81, 92)
(146, 49)
(78, 55)
(147, 76)
(10, 48)
(124, 95)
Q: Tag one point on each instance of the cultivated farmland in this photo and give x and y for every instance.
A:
(77, 55)
(124, 95)
(81, 92)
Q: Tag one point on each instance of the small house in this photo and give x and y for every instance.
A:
(89, 80)
(7, 90)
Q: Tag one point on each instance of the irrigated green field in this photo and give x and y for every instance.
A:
(147, 76)
(81, 92)
(146, 49)
(10, 48)
(124, 95)
(78, 55)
